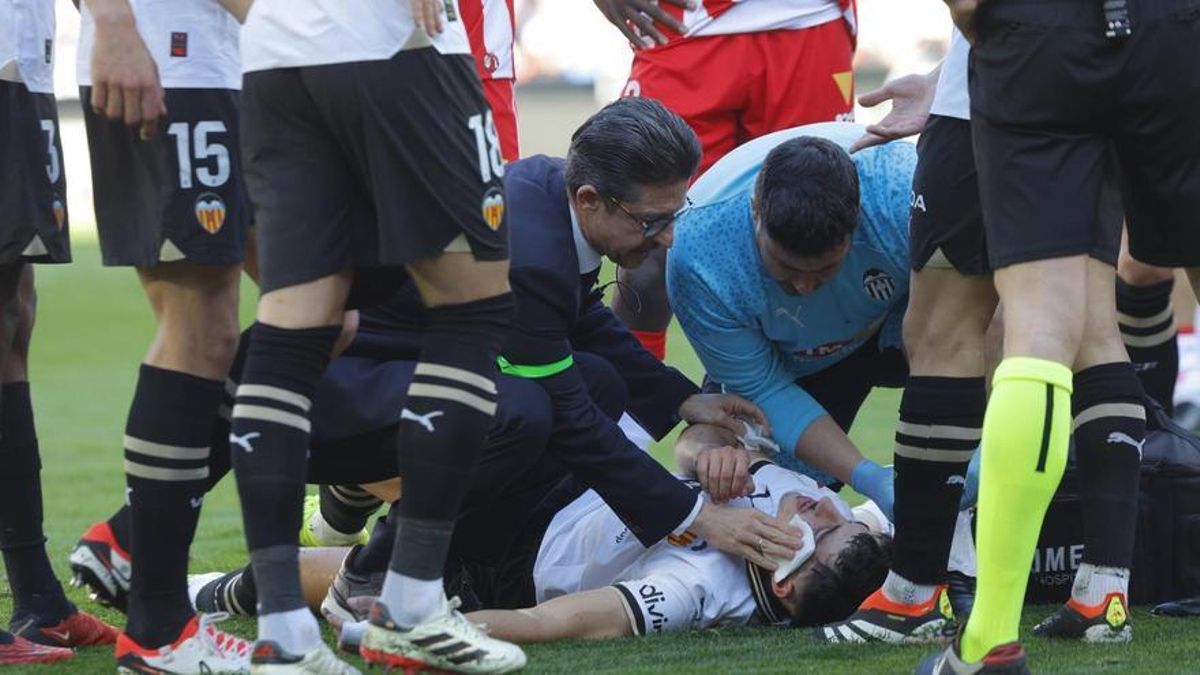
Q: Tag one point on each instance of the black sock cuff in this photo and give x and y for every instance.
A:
(16, 412)
(18, 435)
(942, 398)
(168, 435)
(1143, 301)
(421, 546)
(289, 358)
(1106, 383)
(170, 406)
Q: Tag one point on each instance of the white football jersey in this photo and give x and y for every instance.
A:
(681, 583)
(725, 17)
(194, 43)
(292, 33)
(27, 43)
(952, 99)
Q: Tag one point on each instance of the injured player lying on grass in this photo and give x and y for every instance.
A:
(578, 572)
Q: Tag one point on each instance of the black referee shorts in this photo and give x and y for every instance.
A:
(946, 228)
(373, 164)
(33, 190)
(1052, 97)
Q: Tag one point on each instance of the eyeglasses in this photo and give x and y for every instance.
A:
(653, 227)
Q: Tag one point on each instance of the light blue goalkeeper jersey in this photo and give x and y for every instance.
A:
(753, 337)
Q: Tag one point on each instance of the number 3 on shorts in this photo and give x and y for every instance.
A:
(487, 143)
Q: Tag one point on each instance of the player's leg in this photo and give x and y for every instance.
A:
(32, 206)
(1147, 318)
(41, 611)
(451, 401)
(1040, 191)
(307, 209)
(1109, 429)
(290, 346)
(701, 80)
(101, 559)
(168, 435)
(1025, 436)
(182, 226)
(951, 303)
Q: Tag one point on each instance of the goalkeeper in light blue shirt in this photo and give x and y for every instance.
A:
(789, 275)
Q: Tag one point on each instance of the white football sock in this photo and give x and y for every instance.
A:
(295, 631)
(1093, 584)
(412, 601)
(898, 589)
(329, 535)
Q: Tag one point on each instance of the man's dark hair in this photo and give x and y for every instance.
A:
(807, 196)
(630, 143)
(833, 593)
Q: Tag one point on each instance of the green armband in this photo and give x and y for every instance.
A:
(534, 372)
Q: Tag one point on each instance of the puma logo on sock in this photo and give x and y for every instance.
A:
(244, 441)
(1122, 437)
(425, 420)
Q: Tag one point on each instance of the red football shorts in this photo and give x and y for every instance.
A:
(499, 95)
(732, 88)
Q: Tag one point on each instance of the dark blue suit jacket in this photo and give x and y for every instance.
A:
(560, 311)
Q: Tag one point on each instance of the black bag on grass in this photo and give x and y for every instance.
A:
(1166, 555)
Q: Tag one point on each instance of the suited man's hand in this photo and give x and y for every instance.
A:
(748, 533)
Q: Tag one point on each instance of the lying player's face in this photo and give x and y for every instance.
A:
(620, 229)
(798, 275)
(833, 532)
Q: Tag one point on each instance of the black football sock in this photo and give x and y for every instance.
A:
(35, 589)
(167, 446)
(269, 443)
(218, 457)
(941, 421)
(1110, 427)
(450, 406)
(118, 522)
(375, 555)
(347, 508)
(1147, 321)
(234, 593)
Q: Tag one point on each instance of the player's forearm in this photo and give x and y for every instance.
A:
(111, 13)
(238, 8)
(590, 615)
(695, 439)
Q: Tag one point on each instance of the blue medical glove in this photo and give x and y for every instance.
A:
(971, 487)
(876, 483)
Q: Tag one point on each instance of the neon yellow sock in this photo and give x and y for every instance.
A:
(1022, 462)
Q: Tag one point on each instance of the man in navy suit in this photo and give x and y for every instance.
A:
(615, 195)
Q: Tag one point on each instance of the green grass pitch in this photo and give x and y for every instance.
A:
(93, 327)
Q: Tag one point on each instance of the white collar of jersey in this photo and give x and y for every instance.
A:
(589, 258)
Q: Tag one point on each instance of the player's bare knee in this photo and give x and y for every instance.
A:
(1136, 273)
(1101, 342)
(16, 366)
(1047, 320)
(457, 278)
(320, 302)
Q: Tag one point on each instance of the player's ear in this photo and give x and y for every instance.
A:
(782, 589)
(588, 198)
